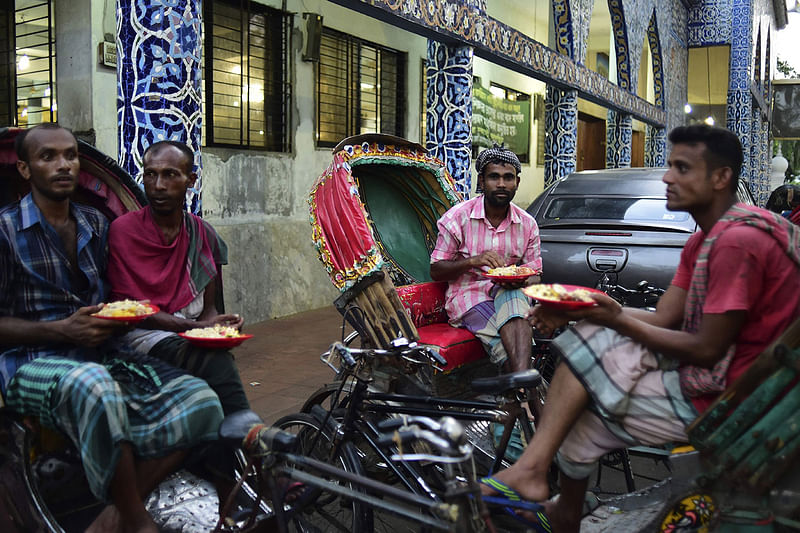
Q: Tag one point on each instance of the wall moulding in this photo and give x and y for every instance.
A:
(456, 23)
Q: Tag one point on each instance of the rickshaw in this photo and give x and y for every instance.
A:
(42, 486)
(373, 213)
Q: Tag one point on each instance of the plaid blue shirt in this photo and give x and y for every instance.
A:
(35, 277)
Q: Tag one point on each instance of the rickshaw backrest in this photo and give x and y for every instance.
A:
(374, 310)
(102, 183)
(751, 434)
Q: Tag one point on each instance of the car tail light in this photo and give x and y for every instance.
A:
(615, 253)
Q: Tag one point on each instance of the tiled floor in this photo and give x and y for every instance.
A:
(280, 365)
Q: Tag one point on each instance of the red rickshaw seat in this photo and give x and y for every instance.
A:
(425, 305)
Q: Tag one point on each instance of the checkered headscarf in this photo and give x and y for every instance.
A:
(497, 154)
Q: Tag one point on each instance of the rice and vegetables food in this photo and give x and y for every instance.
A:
(511, 270)
(214, 332)
(124, 308)
(557, 292)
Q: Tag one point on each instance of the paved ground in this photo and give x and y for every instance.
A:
(280, 365)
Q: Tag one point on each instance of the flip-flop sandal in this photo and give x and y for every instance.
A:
(510, 502)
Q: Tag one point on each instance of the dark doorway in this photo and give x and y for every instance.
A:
(591, 142)
(637, 149)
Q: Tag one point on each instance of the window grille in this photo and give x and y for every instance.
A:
(360, 88)
(27, 63)
(247, 88)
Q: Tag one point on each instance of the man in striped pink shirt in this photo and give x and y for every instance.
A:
(486, 232)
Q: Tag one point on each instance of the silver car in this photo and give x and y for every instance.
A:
(612, 221)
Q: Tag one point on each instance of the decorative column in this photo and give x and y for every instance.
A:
(739, 102)
(448, 119)
(619, 137)
(158, 80)
(766, 165)
(655, 146)
(759, 173)
(561, 133)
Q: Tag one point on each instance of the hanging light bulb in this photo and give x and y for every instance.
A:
(709, 120)
(687, 108)
(24, 62)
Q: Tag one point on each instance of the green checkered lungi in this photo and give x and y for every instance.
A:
(154, 407)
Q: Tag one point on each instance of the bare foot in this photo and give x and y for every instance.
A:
(108, 521)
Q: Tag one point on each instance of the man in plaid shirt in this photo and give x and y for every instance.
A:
(132, 418)
(486, 232)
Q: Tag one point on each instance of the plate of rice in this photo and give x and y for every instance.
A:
(510, 273)
(561, 296)
(217, 336)
(126, 311)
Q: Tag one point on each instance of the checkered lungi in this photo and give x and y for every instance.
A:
(485, 320)
(145, 402)
(634, 399)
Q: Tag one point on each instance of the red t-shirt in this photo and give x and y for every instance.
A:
(747, 270)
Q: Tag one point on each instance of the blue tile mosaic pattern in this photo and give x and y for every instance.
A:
(739, 110)
(562, 22)
(158, 80)
(449, 109)
(620, 35)
(619, 133)
(561, 139)
(709, 22)
(658, 61)
(655, 147)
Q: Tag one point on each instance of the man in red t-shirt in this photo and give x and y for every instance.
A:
(630, 377)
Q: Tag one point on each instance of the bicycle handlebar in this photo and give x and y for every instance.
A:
(401, 348)
(446, 435)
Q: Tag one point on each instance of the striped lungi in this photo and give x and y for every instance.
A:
(145, 402)
(634, 399)
(485, 320)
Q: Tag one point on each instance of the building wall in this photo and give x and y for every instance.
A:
(257, 200)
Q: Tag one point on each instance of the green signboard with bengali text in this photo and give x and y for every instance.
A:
(497, 120)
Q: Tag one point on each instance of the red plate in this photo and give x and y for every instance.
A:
(517, 277)
(132, 319)
(216, 343)
(565, 304)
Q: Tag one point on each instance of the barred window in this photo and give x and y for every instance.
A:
(27, 63)
(247, 91)
(361, 88)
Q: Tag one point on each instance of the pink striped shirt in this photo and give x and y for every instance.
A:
(464, 231)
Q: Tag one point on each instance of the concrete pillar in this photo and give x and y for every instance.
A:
(82, 85)
(619, 137)
(655, 147)
(158, 66)
(449, 109)
(561, 133)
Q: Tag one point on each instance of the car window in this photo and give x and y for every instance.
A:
(620, 209)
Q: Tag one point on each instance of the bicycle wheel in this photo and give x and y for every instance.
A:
(325, 395)
(327, 511)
